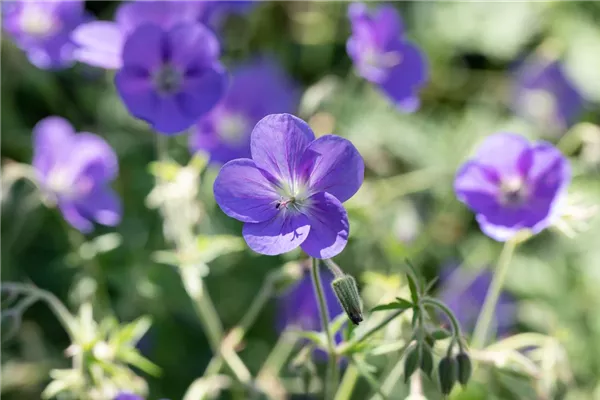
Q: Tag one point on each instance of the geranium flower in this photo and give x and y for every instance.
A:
(291, 192)
(512, 185)
(225, 132)
(42, 29)
(171, 78)
(384, 57)
(75, 170)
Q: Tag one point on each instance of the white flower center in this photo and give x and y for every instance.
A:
(61, 182)
(168, 79)
(232, 128)
(36, 21)
(514, 191)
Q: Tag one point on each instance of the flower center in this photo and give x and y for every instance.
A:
(514, 192)
(36, 21)
(376, 59)
(168, 79)
(232, 128)
(60, 181)
(293, 197)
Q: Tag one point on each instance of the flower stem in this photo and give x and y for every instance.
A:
(482, 327)
(372, 331)
(348, 382)
(453, 321)
(332, 370)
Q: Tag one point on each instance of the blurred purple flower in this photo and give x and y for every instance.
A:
(100, 43)
(298, 307)
(42, 29)
(225, 131)
(464, 292)
(512, 185)
(75, 170)
(545, 94)
(128, 396)
(290, 193)
(171, 78)
(384, 57)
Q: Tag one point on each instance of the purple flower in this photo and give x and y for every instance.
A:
(384, 57)
(128, 396)
(42, 29)
(170, 78)
(225, 131)
(75, 170)
(545, 94)
(291, 192)
(100, 43)
(512, 185)
(464, 292)
(298, 307)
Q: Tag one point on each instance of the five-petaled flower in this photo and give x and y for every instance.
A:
(42, 29)
(225, 132)
(75, 170)
(384, 57)
(464, 292)
(513, 185)
(170, 79)
(290, 193)
(544, 94)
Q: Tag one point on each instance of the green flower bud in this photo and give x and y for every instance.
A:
(411, 362)
(347, 293)
(448, 373)
(464, 368)
(426, 360)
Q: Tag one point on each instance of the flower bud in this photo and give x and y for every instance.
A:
(464, 368)
(426, 360)
(347, 293)
(411, 362)
(447, 371)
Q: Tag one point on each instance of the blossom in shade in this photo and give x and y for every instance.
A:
(544, 94)
(225, 132)
(382, 55)
(100, 43)
(291, 192)
(42, 29)
(512, 184)
(171, 78)
(464, 292)
(298, 307)
(128, 396)
(75, 170)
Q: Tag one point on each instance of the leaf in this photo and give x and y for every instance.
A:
(54, 388)
(132, 357)
(393, 306)
(349, 332)
(407, 303)
(131, 333)
(440, 334)
(211, 247)
(412, 285)
(317, 338)
(338, 323)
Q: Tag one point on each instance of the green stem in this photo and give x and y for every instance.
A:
(482, 327)
(372, 331)
(60, 311)
(348, 382)
(332, 370)
(394, 375)
(457, 332)
(371, 380)
(334, 268)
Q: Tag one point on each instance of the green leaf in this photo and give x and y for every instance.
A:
(404, 302)
(54, 388)
(349, 332)
(211, 247)
(132, 357)
(317, 338)
(412, 285)
(338, 323)
(131, 333)
(396, 305)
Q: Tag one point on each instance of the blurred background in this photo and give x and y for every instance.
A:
(493, 67)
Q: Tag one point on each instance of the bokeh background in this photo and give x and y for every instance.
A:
(477, 52)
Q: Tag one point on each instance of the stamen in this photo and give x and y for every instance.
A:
(168, 79)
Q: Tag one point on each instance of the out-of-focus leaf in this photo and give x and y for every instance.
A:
(214, 246)
(165, 170)
(131, 333)
(132, 357)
